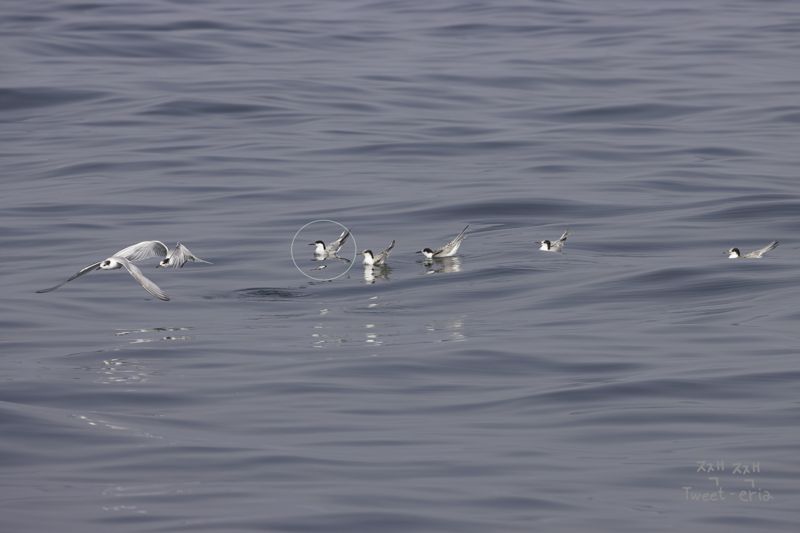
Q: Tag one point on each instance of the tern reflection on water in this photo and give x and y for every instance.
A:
(377, 328)
(120, 366)
(449, 330)
(115, 370)
(444, 265)
(374, 273)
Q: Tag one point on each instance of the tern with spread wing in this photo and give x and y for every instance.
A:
(113, 263)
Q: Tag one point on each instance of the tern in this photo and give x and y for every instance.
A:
(322, 251)
(553, 246)
(113, 263)
(734, 253)
(176, 258)
(448, 250)
(371, 259)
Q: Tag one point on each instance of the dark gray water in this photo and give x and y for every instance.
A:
(508, 390)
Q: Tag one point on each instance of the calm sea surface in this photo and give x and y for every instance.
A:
(638, 382)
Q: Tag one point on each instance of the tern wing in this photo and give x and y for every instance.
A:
(143, 250)
(336, 245)
(81, 272)
(384, 254)
(558, 246)
(761, 251)
(452, 247)
(146, 284)
(182, 254)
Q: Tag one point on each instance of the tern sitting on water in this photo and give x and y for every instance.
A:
(112, 263)
(371, 259)
(322, 251)
(448, 250)
(734, 253)
(555, 246)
